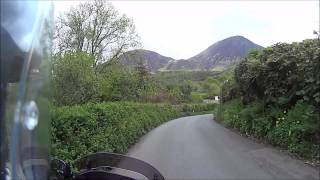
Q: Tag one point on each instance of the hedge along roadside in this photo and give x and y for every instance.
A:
(114, 127)
(291, 129)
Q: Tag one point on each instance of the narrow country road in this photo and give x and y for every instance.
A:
(197, 147)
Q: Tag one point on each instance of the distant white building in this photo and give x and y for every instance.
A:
(211, 101)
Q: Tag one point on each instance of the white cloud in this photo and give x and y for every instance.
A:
(182, 29)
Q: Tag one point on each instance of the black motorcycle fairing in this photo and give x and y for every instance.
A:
(100, 175)
(118, 161)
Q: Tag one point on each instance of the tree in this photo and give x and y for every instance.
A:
(142, 73)
(186, 90)
(116, 83)
(73, 78)
(96, 28)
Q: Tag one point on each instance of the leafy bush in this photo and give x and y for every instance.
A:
(197, 107)
(73, 79)
(116, 83)
(249, 116)
(282, 70)
(197, 97)
(229, 90)
(286, 78)
(230, 112)
(76, 80)
(114, 127)
(293, 129)
(297, 128)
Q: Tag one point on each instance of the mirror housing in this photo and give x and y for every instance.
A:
(60, 170)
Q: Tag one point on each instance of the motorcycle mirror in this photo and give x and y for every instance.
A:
(60, 170)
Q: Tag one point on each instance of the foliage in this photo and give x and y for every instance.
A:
(230, 112)
(195, 85)
(283, 70)
(197, 107)
(175, 77)
(197, 97)
(295, 129)
(246, 76)
(278, 96)
(142, 74)
(73, 79)
(229, 90)
(96, 28)
(211, 86)
(179, 93)
(76, 81)
(114, 127)
(116, 83)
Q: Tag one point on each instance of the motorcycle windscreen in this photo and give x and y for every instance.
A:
(26, 30)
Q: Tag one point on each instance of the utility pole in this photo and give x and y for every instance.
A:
(221, 100)
(220, 104)
(315, 31)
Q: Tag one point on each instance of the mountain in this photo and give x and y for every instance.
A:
(221, 54)
(152, 60)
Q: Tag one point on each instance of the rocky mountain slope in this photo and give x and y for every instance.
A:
(221, 54)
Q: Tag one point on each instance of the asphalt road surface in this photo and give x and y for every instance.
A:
(197, 147)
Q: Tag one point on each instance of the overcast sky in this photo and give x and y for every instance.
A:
(181, 29)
